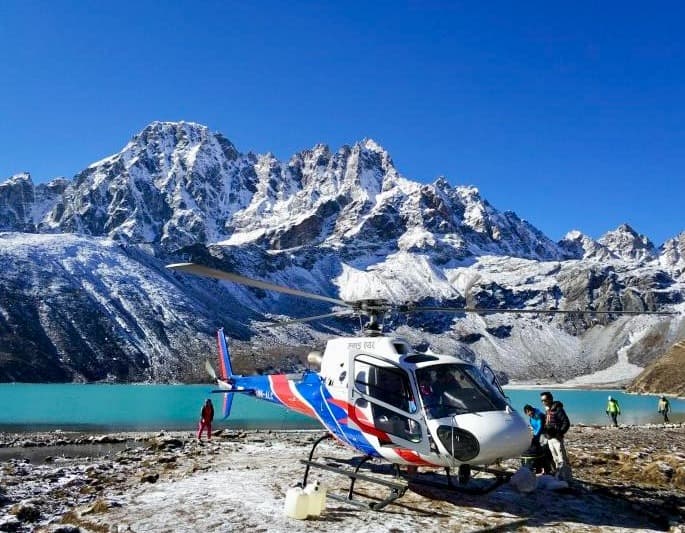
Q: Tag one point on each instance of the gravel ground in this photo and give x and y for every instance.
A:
(625, 479)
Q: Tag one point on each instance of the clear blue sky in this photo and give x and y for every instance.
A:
(570, 114)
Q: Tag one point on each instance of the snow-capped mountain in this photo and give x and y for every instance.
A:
(22, 204)
(177, 184)
(627, 244)
(672, 256)
(342, 223)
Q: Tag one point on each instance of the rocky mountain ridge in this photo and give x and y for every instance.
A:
(663, 375)
(341, 223)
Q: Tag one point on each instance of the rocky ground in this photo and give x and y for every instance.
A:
(626, 479)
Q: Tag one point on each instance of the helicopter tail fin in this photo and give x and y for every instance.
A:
(224, 356)
(228, 402)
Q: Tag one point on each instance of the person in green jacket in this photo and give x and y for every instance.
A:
(613, 410)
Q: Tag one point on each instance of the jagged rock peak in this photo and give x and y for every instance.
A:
(626, 243)
(374, 155)
(16, 203)
(672, 254)
(442, 183)
(577, 245)
(192, 129)
(185, 134)
(370, 144)
(318, 149)
(469, 193)
(24, 205)
(161, 187)
(16, 179)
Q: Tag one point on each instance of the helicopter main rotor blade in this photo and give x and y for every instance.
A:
(201, 270)
(488, 311)
(310, 318)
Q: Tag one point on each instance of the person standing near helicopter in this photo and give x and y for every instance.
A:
(206, 417)
(537, 423)
(557, 424)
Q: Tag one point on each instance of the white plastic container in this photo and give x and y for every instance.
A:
(296, 503)
(316, 495)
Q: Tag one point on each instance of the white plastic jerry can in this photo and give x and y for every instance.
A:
(296, 503)
(316, 498)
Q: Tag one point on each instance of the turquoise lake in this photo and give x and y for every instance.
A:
(34, 407)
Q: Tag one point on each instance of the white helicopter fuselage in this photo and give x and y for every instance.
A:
(417, 409)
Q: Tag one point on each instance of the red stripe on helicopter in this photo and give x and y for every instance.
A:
(412, 457)
(221, 356)
(357, 416)
(281, 388)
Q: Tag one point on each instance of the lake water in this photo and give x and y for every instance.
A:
(37, 407)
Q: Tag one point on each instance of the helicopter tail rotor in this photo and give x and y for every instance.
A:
(210, 369)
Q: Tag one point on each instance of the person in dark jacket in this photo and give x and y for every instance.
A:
(206, 417)
(557, 424)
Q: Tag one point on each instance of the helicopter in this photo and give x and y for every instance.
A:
(380, 397)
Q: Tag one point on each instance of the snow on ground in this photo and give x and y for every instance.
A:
(620, 371)
(237, 486)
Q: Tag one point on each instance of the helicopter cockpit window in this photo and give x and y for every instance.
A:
(488, 379)
(390, 396)
(453, 389)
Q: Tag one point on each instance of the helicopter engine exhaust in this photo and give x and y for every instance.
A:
(314, 359)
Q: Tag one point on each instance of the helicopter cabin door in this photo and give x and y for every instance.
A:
(384, 394)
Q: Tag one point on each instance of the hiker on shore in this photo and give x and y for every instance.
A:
(206, 417)
(556, 426)
(613, 410)
(664, 407)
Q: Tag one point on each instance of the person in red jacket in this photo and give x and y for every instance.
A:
(206, 417)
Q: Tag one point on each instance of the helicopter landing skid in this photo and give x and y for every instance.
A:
(396, 488)
(501, 477)
(399, 486)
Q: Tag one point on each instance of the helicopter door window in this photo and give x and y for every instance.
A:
(387, 384)
(388, 390)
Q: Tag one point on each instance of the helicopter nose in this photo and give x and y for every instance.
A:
(483, 438)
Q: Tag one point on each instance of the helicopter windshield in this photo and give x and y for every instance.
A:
(454, 389)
